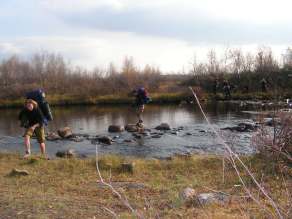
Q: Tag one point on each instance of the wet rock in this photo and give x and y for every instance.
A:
(65, 132)
(163, 126)
(187, 194)
(137, 136)
(128, 140)
(156, 136)
(271, 121)
(17, 172)
(66, 153)
(243, 127)
(76, 138)
(211, 198)
(82, 135)
(116, 128)
(145, 133)
(105, 140)
(127, 167)
(52, 136)
(131, 128)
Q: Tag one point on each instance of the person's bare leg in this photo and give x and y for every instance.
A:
(27, 146)
(43, 148)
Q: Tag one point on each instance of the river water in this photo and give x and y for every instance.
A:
(194, 137)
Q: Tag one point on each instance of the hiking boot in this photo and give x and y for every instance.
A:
(27, 155)
(140, 125)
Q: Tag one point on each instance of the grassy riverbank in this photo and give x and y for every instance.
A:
(68, 188)
(157, 98)
(68, 100)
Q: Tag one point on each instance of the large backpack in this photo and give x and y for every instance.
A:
(39, 96)
(143, 95)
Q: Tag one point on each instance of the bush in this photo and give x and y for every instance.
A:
(276, 143)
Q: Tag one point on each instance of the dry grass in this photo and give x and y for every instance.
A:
(68, 188)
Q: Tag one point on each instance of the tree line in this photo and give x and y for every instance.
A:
(56, 76)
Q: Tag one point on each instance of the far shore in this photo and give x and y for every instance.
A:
(157, 98)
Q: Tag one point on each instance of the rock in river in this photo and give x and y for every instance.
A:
(243, 127)
(52, 136)
(65, 132)
(163, 126)
(116, 128)
(105, 140)
(131, 128)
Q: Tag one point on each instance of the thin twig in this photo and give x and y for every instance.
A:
(114, 191)
(110, 211)
(232, 155)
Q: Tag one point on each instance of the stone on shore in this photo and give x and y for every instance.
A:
(66, 154)
(211, 198)
(17, 172)
(187, 194)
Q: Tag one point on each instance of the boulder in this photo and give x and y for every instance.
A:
(211, 198)
(115, 128)
(65, 132)
(66, 154)
(131, 128)
(52, 136)
(163, 126)
(105, 140)
(17, 172)
(187, 194)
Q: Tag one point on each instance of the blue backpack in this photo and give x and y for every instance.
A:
(143, 95)
(39, 96)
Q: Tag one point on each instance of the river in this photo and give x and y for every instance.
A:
(194, 137)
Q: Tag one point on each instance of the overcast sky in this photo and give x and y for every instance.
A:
(163, 33)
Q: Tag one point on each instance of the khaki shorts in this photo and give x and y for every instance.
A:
(140, 109)
(39, 132)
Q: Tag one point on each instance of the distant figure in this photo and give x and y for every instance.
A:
(215, 86)
(227, 89)
(141, 98)
(264, 85)
(246, 89)
(32, 120)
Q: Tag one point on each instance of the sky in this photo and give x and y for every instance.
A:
(162, 33)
